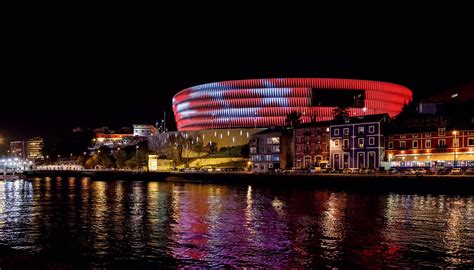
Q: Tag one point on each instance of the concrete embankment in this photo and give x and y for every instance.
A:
(461, 183)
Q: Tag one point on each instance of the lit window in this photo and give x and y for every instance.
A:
(427, 143)
(345, 143)
(441, 131)
(456, 142)
(273, 140)
(360, 141)
(336, 143)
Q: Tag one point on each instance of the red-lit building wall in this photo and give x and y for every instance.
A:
(432, 147)
(311, 146)
(266, 102)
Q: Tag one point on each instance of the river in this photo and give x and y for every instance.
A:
(144, 224)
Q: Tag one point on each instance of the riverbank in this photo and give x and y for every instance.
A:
(461, 183)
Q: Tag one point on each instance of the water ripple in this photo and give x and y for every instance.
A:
(150, 224)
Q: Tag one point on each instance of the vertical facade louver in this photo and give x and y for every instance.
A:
(266, 102)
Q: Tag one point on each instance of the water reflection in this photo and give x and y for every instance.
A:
(333, 227)
(110, 223)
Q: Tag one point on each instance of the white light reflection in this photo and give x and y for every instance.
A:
(249, 215)
(333, 226)
(278, 205)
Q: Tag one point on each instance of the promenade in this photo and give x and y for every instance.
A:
(395, 182)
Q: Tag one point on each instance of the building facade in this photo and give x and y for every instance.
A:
(267, 102)
(18, 149)
(311, 145)
(34, 148)
(144, 130)
(30, 149)
(270, 150)
(441, 147)
(359, 143)
(219, 137)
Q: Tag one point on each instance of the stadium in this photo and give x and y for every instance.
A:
(267, 102)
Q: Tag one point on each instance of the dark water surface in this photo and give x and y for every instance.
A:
(79, 222)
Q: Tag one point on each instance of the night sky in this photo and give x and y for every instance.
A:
(115, 76)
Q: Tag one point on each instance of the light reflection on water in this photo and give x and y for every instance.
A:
(108, 223)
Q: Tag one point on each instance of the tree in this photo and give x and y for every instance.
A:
(188, 145)
(138, 158)
(211, 147)
(175, 148)
(341, 114)
(293, 119)
(141, 157)
(105, 161)
(81, 160)
(198, 147)
(103, 158)
(92, 162)
(120, 158)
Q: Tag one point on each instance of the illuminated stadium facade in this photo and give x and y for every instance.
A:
(266, 102)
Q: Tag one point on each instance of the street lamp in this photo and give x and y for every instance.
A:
(136, 154)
